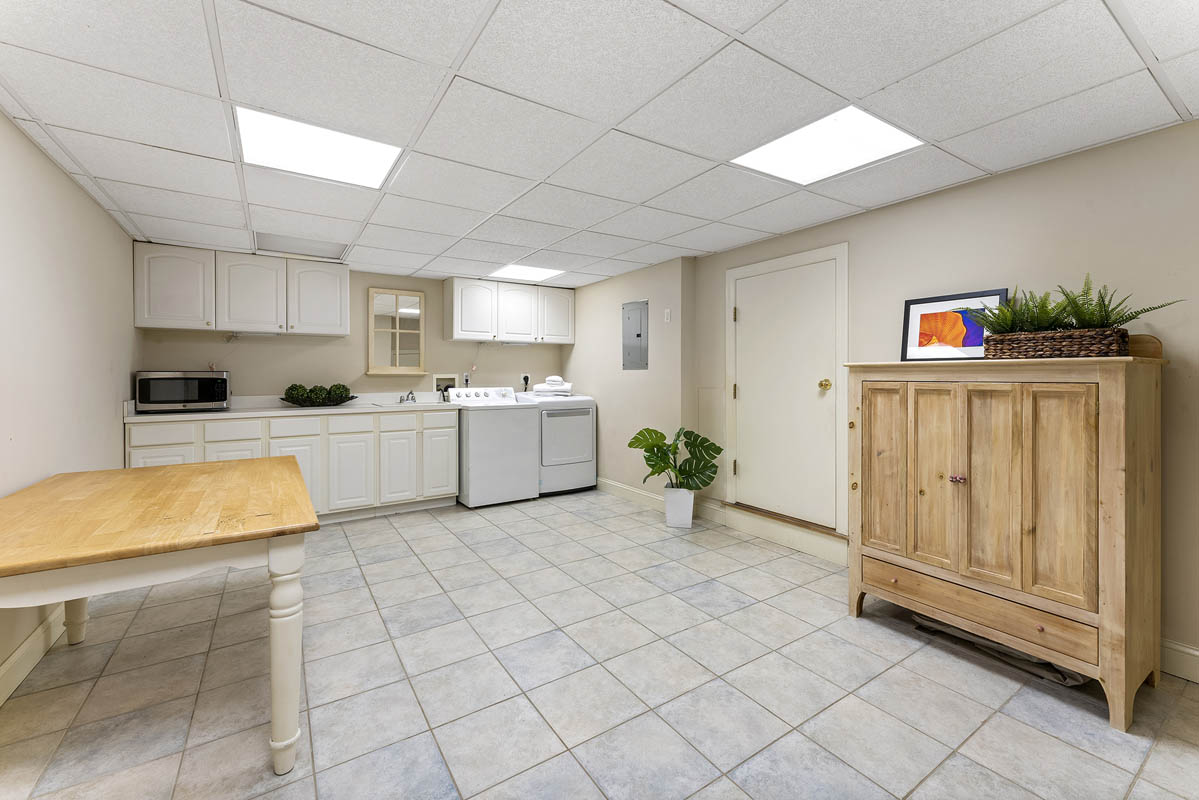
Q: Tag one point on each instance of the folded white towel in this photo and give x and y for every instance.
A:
(551, 394)
(555, 380)
(552, 388)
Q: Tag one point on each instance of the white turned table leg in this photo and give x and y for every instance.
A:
(285, 557)
(75, 612)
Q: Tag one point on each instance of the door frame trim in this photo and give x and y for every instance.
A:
(838, 253)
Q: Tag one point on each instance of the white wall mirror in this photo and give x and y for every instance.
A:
(396, 345)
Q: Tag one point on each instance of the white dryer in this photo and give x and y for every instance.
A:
(497, 446)
(567, 440)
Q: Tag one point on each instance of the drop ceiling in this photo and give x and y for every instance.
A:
(589, 137)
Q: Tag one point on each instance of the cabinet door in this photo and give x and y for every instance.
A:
(555, 315)
(884, 465)
(307, 450)
(230, 451)
(173, 287)
(351, 471)
(516, 316)
(473, 311)
(932, 459)
(440, 462)
(162, 456)
(318, 298)
(251, 293)
(398, 470)
(1061, 501)
(989, 542)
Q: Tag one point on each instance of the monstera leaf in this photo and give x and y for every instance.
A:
(659, 459)
(695, 474)
(701, 447)
(646, 438)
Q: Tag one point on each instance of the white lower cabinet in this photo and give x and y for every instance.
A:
(228, 451)
(440, 462)
(162, 456)
(307, 450)
(351, 471)
(398, 466)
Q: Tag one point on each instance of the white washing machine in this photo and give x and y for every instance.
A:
(497, 446)
(567, 440)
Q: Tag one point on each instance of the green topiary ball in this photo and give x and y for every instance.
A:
(318, 395)
(339, 393)
(296, 394)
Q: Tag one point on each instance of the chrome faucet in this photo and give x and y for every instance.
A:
(409, 398)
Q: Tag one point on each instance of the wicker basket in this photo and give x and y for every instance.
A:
(1085, 343)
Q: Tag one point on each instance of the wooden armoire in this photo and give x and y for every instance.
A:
(1018, 500)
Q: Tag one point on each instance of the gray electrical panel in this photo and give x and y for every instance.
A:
(634, 335)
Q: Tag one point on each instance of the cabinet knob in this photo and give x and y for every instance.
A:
(851, 424)
(280, 327)
(922, 493)
(1040, 629)
(895, 580)
(293, 327)
(853, 485)
(208, 323)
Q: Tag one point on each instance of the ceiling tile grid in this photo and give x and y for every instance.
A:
(592, 138)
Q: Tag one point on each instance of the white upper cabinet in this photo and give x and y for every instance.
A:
(555, 315)
(517, 312)
(484, 311)
(251, 293)
(173, 287)
(471, 310)
(318, 298)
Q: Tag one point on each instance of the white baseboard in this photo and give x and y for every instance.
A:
(29, 652)
(822, 545)
(632, 493)
(1180, 659)
(383, 511)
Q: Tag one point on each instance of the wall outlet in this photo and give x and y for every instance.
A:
(525, 380)
(466, 379)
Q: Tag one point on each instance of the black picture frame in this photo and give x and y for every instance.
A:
(988, 297)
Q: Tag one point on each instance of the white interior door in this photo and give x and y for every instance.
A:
(786, 424)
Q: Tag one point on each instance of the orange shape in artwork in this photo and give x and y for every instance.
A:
(942, 328)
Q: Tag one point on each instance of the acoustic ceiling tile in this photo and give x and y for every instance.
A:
(573, 279)
(547, 203)
(1129, 105)
(491, 252)
(380, 257)
(176, 205)
(594, 60)
(421, 215)
(9, 104)
(84, 98)
(790, 213)
(437, 180)
(656, 253)
(1184, 74)
(859, 47)
(151, 166)
(733, 103)
(92, 188)
(1063, 50)
(1170, 26)
(632, 169)
(509, 230)
(450, 265)
(430, 30)
(270, 187)
(406, 240)
(737, 14)
(720, 193)
(173, 230)
(161, 42)
(307, 226)
(554, 259)
(650, 224)
(715, 237)
(43, 140)
(301, 71)
(597, 244)
(612, 266)
(905, 175)
(490, 129)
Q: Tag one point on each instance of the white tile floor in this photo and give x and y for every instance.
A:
(570, 647)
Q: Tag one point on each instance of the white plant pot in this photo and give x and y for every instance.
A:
(680, 503)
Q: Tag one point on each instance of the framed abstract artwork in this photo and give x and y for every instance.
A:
(941, 328)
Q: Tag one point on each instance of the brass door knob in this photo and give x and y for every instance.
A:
(825, 385)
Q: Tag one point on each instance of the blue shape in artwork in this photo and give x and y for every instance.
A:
(974, 331)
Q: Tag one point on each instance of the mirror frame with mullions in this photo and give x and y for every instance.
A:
(393, 368)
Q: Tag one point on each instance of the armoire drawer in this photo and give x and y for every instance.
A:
(1033, 625)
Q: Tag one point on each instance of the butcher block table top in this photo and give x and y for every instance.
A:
(81, 518)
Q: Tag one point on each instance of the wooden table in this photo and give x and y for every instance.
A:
(86, 533)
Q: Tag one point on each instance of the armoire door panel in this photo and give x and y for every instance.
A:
(991, 508)
(884, 464)
(932, 459)
(1061, 500)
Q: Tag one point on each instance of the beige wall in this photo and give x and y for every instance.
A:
(630, 399)
(263, 365)
(66, 311)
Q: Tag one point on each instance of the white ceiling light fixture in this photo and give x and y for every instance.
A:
(837, 143)
(519, 272)
(271, 141)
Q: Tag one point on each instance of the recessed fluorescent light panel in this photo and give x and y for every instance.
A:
(839, 142)
(519, 272)
(271, 141)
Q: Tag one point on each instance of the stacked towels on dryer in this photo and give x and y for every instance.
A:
(554, 386)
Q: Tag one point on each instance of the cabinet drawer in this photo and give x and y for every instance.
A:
(1033, 625)
(233, 430)
(397, 422)
(156, 434)
(440, 419)
(352, 423)
(309, 426)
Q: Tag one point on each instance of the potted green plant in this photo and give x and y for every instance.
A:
(695, 471)
(1083, 323)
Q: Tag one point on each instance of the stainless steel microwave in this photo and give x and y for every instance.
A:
(180, 391)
